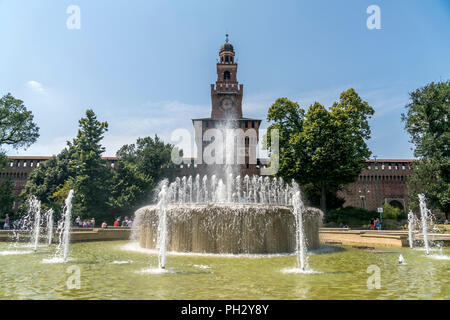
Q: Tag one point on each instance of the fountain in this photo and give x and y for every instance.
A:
(297, 203)
(424, 216)
(35, 211)
(411, 223)
(62, 250)
(162, 225)
(49, 215)
(242, 216)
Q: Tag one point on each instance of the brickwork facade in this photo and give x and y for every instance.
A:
(19, 168)
(383, 181)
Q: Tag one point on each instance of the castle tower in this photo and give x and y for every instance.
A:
(226, 113)
(226, 94)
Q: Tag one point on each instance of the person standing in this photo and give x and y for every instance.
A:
(77, 221)
(92, 223)
(6, 225)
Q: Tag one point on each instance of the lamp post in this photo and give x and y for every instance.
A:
(378, 190)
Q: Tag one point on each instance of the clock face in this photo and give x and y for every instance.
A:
(226, 104)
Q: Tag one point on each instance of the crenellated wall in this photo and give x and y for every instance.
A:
(382, 181)
(19, 168)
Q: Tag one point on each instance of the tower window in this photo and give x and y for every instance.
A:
(226, 75)
(226, 59)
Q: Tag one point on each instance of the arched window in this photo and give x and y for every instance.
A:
(226, 75)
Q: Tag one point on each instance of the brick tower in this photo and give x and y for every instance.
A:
(226, 113)
(226, 94)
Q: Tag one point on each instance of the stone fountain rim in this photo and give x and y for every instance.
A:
(192, 206)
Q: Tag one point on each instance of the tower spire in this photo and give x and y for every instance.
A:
(226, 38)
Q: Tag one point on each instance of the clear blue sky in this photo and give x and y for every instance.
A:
(146, 66)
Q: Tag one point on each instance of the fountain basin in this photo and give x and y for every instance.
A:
(228, 228)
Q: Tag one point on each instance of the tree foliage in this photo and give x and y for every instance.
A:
(427, 122)
(390, 212)
(17, 128)
(7, 197)
(91, 175)
(79, 166)
(324, 149)
(48, 178)
(142, 165)
(101, 191)
(61, 194)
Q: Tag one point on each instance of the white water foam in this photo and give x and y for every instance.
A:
(299, 271)
(155, 271)
(438, 257)
(121, 262)
(55, 260)
(13, 252)
(200, 266)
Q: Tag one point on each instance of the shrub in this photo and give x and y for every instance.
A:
(350, 215)
(390, 212)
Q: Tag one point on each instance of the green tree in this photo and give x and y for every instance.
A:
(48, 178)
(141, 166)
(91, 174)
(17, 128)
(427, 122)
(390, 212)
(324, 149)
(61, 194)
(7, 197)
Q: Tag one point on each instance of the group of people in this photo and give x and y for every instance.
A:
(118, 222)
(123, 223)
(84, 223)
(375, 224)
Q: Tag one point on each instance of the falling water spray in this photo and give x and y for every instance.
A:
(411, 220)
(162, 225)
(49, 226)
(35, 209)
(298, 205)
(67, 214)
(424, 214)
